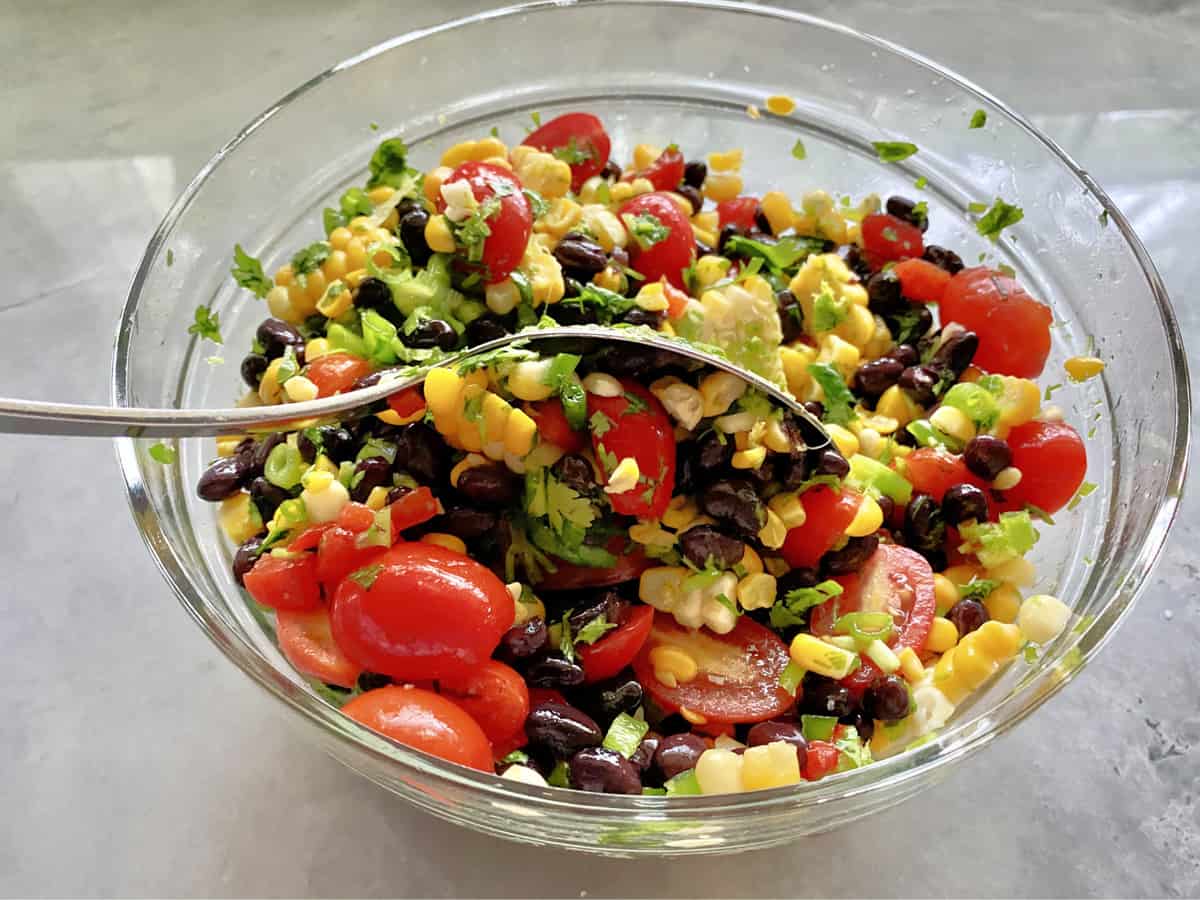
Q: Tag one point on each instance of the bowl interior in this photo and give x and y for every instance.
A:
(682, 77)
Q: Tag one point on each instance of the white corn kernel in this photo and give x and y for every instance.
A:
(719, 772)
(719, 390)
(525, 775)
(757, 591)
(683, 402)
(527, 380)
(460, 200)
(602, 385)
(1007, 479)
(299, 389)
(870, 443)
(1051, 413)
(1042, 618)
(624, 477)
(1019, 571)
(324, 505)
(953, 422)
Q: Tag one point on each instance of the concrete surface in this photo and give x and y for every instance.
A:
(137, 762)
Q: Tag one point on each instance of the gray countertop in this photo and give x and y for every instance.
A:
(138, 762)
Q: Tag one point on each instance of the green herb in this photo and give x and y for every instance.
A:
(1104, 218)
(560, 776)
(1084, 489)
(998, 542)
(547, 497)
(594, 630)
(976, 207)
(634, 405)
(536, 117)
(839, 402)
(248, 272)
(978, 119)
(921, 211)
(798, 151)
(1038, 513)
(474, 230)
(829, 311)
(380, 337)
(1000, 216)
(907, 325)
(893, 151)
(1006, 269)
(977, 589)
(1030, 654)
(607, 459)
(517, 757)
(790, 678)
(646, 228)
(818, 728)
(170, 257)
(389, 166)
(625, 734)
(654, 792)
(309, 259)
(206, 324)
(365, 577)
(494, 131)
(600, 424)
(1050, 389)
(784, 254)
(865, 627)
(789, 612)
(728, 604)
(352, 203)
(683, 785)
(979, 404)
(161, 453)
(921, 183)
(573, 154)
(607, 306)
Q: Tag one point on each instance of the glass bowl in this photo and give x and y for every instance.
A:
(683, 72)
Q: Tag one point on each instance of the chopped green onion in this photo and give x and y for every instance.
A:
(818, 728)
(285, 466)
(683, 785)
(625, 734)
(790, 678)
(865, 627)
(161, 453)
(894, 151)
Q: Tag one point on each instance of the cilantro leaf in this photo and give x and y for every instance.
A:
(170, 257)
(784, 254)
(646, 228)
(976, 207)
(248, 273)
(566, 643)
(789, 612)
(389, 166)
(978, 119)
(161, 453)
(977, 589)
(893, 151)
(798, 151)
(365, 577)
(906, 326)
(309, 259)
(594, 630)
(548, 498)
(608, 306)
(572, 153)
(1000, 216)
(206, 324)
(921, 183)
(839, 402)
(600, 424)
(1103, 218)
(829, 311)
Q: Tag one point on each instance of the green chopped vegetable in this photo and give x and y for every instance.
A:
(285, 466)
(798, 151)
(865, 627)
(309, 259)
(785, 254)
(977, 589)
(600, 424)
(872, 477)
(161, 453)
(170, 257)
(625, 734)
(1103, 218)
(921, 183)
(547, 497)
(894, 151)
(1000, 216)
(646, 228)
(572, 154)
(978, 403)
(516, 758)
(389, 166)
(978, 119)
(789, 612)
(206, 324)
(998, 542)
(608, 306)
(855, 753)
(248, 273)
(684, 784)
(560, 776)
(907, 325)
(839, 402)
(365, 577)
(829, 311)
(818, 728)
(594, 630)
(790, 678)
(341, 337)
(1084, 490)
(379, 337)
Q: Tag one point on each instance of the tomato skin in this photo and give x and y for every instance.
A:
(1013, 327)
(414, 508)
(677, 300)
(424, 721)
(569, 577)
(495, 696)
(430, 613)
(336, 372)
(664, 173)
(552, 425)
(338, 555)
(670, 256)
(746, 663)
(827, 515)
(613, 652)
(1053, 462)
(356, 517)
(921, 280)
(306, 639)
(888, 239)
(309, 538)
(647, 436)
(281, 583)
(933, 471)
(408, 402)
(510, 226)
(821, 758)
(589, 135)
(740, 211)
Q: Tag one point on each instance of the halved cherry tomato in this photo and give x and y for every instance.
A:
(282, 583)
(828, 512)
(552, 426)
(677, 300)
(309, 538)
(645, 433)
(1013, 327)
(664, 173)
(428, 613)
(408, 402)
(510, 225)
(672, 254)
(738, 679)
(933, 471)
(821, 758)
(306, 639)
(581, 141)
(424, 721)
(336, 372)
(356, 517)
(616, 650)
(569, 577)
(339, 554)
(417, 506)
(493, 695)
(739, 211)
(506, 745)
(921, 280)
(1052, 460)
(886, 238)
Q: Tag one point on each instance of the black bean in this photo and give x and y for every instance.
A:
(466, 522)
(693, 196)
(247, 455)
(604, 771)
(678, 753)
(943, 258)
(372, 293)
(886, 699)
(704, 546)
(694, 173)
(611, 171)
(829, 461)
(267, 497)
(851, 557)
(776, 730)
(397, 492)
(920, 383)
(253, 367)
(725, 234)
(815, 408)
(956, 352)
(485, 328)
(411, 230)
(562, 729)
(761, 222)
(964, 502)
(702, 249)
(245, 558)
(631, 360)
(687, 469)
(336, 442)
(876, 376)
(575, 314)
(967, 616)
(887, 506)
(376, 471)
(862, 723)
(576, 473)
(856, 262)
(276, 335)
(791, 316)
(524, 641)
(883, 293)
(488, 485)
(580, 256)
(606, 602)
(604, 702)
(370, 681)
(734, 500)
(221, 479)
(554, 672)
(619, 256)
(431, 333)
(421, 452)
(924, 528)
(905, 354)
(714, 454)
(639, 316)
(802, 577)
(792, 473)
(987, 456)
(821, 696)
(644, 757)
(905, 209)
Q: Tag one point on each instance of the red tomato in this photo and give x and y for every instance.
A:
(668, 257)
(309, 538)
(336, 372)
(282, 583)
(921, 280)
(417, 506)
(552, 426)
(739, 211)
(506, 745)
(934, 471)
(493, 695)
(424, 721)
(886, 238)
(827, 515)
(649, 437)
(510, 225)
(739, 672)
(1013, 327)
(569, 577)
(339, 555)
(1052, 460)
(616, 650)
(820, 759)
(581, 140)
(677, 300)
(306, 640)
(664, 173)
(356, 517)
(408, 402)
(429, 613)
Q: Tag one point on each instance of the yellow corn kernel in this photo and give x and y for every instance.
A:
(438, 235)
(335, 265)
(279, 303)
(728, 161)
(620, 192)
(692, 716)
(338, 239)
(815, 655)
(502, 297)
(610, 279)
(449, 541)
(910, 665)
(790, 509)
(540, 171)
(527, 380)
(269, 390)
(652, 297)
(719, 390)
(998, 639)
(844, 439)
(603, 223)
(239, 518)
(495, 417)
(751, 562)
(355, 277)
(774, 765)
(720, 771)
(300, 389)
(561, 216)
(624, 477)
(858, 327)
(867, 518)
(356, 254)
(526, 605)
(795, 361)
(519, 433)
(469, 433)
(839, 353)
(673, 666)
(1007, 479)
(391, 417)
(315, 349)
(757, 591)
(544, 273)
(651, 534)
(774, 532)
(1003, 603)
(953, 422)
(227, 444)
(679, 512)
(644, 155)
(780, 105)
(443, 393)
(720, 186)
(816, 202)
(778, 209)
(896, 404)
(749, 459)
(972, 665)
(945, 593)
(775, 438)
(431, 187)
(1042, 618)
(1081, 368)
(709, 270)
(942, 635)
(336, 300)
(1020, 401)
(964, 573)
(377, 499)
(473, 151)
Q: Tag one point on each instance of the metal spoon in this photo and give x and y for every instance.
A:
(35, 417)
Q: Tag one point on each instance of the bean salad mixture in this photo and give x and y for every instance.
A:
(620, 571)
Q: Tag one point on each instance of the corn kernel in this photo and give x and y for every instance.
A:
(814, 655)
(620, 192)
(519, 434)
(896, 404)
(473, 151)
(1081, 368)
(561, 216)
(652, 297)
(752, 112)
(795, 361)
(774, 532)
(239, 519)
(624, 477)
(227, 444)
(1019, 572)
(449, 541)
(502, 297)
(720, 771)
(279, 303)
(789, 507)
(683, 402)
(525, 605)
(674, 663)
(1019, 402)
(651, 534)
(679, 512)
(269, 390)
(910, 665)
(780, 105)
(1003, 603)
(953, 422)
(431, 187)
(945, 593)
(299, 389)
(844, 439)
(540, 171)
(867, 518)
(728, 161)
(692, 716)
(749, 459)
(942, 635)
(721, 186)
(719, 390)
(438, 235)
(527, 380)
(644, 155)
(751, 562)
(778, 209)
(757, 591)
(602, 222)
(1042, 618)
(1007, 479)
(377, 499)
(773, 765)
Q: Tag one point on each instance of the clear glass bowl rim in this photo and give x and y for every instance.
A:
(881, 776)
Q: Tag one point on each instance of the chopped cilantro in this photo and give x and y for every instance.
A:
(600, 423)
(646, 228)
(536, 118)
(309, 259)
(728, 604)
(977, 589)
(921, 183)
(389, 166)
(978, 119)
(474, 230)
(839, 402)
(1030, 654)
(789, 612)
(1000, 216)
(1006, 269)
(798, 150)
(494, 131)
(1084, 489)
(573, 154)
(594, 630)
(921, 211)
(977, 207)
(906, 326)
(248, 272)
(894, 151)
(1104, 218)
(560, 776)
(608, 306)
(829, 311)
(170, 257)
(607, 459)
(206, 324)
(784, 254)
(547, 497)
(634, 405)
(161, 453)
(1050, 389)
(365, 577)
(1038, 513)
